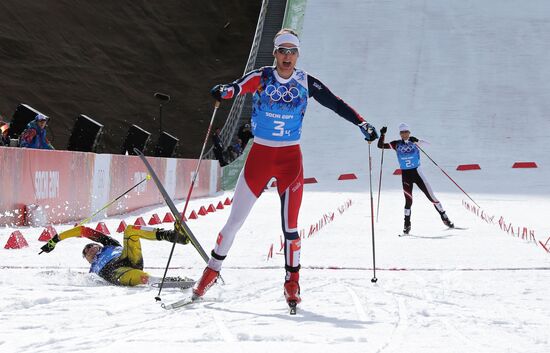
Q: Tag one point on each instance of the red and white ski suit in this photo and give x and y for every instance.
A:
(279, 106)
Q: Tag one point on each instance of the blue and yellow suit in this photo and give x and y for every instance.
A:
(122, 264)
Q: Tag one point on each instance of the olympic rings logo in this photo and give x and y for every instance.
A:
(406, 148)
(282, 92)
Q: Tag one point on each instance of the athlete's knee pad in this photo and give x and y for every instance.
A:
(292, 253)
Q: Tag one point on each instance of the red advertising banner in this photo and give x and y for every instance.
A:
(185, 171)
(41, 187)
(127, 171)
(53, 186)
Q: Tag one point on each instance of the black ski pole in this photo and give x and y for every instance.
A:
(379, 184)
(373, 279)
(447, 175)
(216, 106)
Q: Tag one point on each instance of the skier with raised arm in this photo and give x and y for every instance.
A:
(408, 156)
(280, 97)
(121, 264)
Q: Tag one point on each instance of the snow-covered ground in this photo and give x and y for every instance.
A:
(438, 290)
(476, 86)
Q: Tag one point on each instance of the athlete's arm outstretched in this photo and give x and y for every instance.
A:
(79, 231)
(325, 97)
(89, 233)
(249, 83)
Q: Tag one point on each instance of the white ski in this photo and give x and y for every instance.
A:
(180, 303)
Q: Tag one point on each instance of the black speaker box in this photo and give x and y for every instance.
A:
(166, 146)
(136, 138)
(23, 115)
(85, 135)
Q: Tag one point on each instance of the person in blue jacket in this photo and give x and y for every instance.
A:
(408, 156)
(34, 135)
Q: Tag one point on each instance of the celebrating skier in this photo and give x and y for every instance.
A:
(408, 156)
(117, 264)
(280, 97)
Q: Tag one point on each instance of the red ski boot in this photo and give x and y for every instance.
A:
(292, 288)
(208, 278)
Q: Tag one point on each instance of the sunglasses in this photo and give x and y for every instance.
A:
(287, 51)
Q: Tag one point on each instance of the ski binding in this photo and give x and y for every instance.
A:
(292, 305)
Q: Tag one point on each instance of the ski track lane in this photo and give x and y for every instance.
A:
(312, 311)
(397, 335)
(238, 307)
(390, 316)
(498, 318)
(359, 309)
(358, 306)
(372, 309)
(470, 343)
(224, 331)
(415, 306)
(428, 299)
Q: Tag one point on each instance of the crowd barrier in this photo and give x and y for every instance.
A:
(40, 187)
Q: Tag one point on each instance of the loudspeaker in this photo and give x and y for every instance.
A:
(166, 145)
(23, 115)
(85, 135)
(136, 138)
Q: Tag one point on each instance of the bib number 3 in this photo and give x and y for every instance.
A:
(279, 128)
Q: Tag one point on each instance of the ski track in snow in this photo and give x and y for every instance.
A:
(437, 296)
